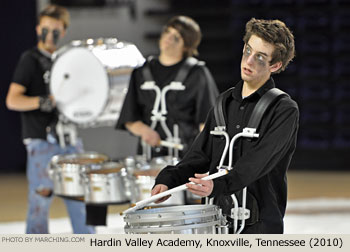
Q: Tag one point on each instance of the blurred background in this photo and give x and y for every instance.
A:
(318, 78)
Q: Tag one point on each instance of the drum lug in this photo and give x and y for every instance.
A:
(108, 185)
(222, 229)
(59, 176)
(240, 213)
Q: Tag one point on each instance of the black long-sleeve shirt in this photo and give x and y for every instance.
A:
(259, 164)
(187, 108)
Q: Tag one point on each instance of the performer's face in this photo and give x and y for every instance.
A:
(255, 63)
(49, 31)
(171, 41)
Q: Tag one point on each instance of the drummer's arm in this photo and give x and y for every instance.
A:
(16, 100)
(138, 128)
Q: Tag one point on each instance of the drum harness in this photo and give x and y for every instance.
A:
(58, 130)
(241, 213)
(173, 142)
(237, 213)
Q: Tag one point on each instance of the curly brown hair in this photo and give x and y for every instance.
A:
(56, 12)
(276, 33)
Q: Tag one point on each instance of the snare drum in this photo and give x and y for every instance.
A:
(89, 79)
(189, 219)
(66, 172)
(110, 184)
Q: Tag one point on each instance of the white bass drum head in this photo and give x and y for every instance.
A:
(79, 84)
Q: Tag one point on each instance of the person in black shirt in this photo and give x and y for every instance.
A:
(260, 164)
(186, 108)
(29, 94)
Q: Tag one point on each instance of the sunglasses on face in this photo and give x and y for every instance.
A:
(261, 59)
(55, 34)
(176, 37)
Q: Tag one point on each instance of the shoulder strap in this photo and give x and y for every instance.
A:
(185, 68)
(45, 62)
(219, 108)
(259, 110)
(213, 90)
(181, 75)
(146, 70)
(263, 104)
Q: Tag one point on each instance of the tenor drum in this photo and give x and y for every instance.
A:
(111, 184)
(189, 219)
(66, 172)
(89, 79)
(146, 173)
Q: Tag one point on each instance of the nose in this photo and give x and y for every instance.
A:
(49, 35)
(250, 59)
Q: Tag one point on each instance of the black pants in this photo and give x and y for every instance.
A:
(96, 215)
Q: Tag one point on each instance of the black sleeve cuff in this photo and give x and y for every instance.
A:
(219, 186)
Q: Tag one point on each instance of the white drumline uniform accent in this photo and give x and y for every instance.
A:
(159, 115)
(222, 170)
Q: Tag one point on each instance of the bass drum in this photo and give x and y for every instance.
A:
(89, 80)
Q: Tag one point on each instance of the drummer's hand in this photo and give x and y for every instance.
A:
(158, 189)
(150, 136)
(52, 100)
(201, 187)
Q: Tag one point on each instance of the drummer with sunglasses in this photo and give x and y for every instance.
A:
(186, 108)
(29, 94)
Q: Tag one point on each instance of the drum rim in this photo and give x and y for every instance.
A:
(69, 168)
(147, 229)
(91, 154)
(169, 217)
(101, 176)
(166, 211)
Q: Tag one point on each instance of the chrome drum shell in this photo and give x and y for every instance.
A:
(110, 184)
(146, 173)
(66, 172)
(188, 219)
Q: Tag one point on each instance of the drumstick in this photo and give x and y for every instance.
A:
(153, 198)
(172, 145)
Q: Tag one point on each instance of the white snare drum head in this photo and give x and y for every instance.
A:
(79, 84)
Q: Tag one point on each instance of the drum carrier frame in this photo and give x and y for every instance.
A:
(239, 214)
(159, 112)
